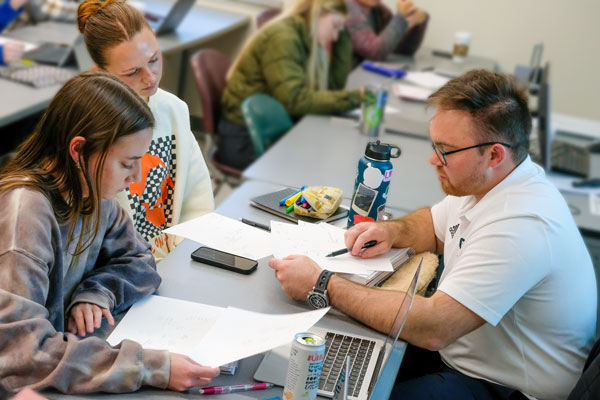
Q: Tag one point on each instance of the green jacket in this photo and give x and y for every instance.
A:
(275, 64)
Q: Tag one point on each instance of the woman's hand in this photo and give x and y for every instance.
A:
(85, 317)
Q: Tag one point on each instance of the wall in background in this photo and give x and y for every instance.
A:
(507, 30)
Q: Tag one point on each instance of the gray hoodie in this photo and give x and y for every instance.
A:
(39, 284)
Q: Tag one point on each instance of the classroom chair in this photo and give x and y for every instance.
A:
(210, 70)
(266, 120)
(265, 16)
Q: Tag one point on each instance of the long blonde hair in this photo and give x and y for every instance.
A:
(317, 68)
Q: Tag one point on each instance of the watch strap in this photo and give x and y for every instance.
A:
(323, 281)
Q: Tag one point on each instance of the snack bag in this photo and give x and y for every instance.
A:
(322, 201)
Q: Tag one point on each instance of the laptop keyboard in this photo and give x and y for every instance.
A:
(38, 76)
(338, 347)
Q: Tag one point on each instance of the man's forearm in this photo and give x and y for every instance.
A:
(415, 230)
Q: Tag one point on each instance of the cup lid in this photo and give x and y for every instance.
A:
(381, 151)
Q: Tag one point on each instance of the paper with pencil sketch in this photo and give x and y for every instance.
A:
(210, 335)
(225, 234)
(318, 240)
(158, 322)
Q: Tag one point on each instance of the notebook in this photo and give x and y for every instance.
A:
(270, 203)
(365, 368)
(170, 22)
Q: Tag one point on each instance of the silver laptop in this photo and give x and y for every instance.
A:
(170, 22)
(368, 355)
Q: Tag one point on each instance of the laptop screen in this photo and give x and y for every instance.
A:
(395, 330)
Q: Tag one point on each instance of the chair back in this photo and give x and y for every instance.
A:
(266, 120)
(265, 16)
(210, 70)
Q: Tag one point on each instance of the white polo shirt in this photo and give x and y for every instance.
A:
(517, 259)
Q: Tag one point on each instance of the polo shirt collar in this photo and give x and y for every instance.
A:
(469, 209)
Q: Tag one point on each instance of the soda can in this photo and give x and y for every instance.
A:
(304, 367)
(372, 110)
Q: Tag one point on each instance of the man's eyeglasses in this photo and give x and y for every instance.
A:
(441, 154)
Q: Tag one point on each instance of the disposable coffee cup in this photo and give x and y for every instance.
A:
(462, 41)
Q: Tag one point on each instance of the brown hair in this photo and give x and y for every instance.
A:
(107, 23)
(497, 105)
(97, 107)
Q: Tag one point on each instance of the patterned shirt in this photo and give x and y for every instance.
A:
(378, 33)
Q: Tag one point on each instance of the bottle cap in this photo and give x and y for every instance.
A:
(381, 151)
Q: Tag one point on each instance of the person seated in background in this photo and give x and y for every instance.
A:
(377, 33)
(12, 50)
(301, 59)
(69, 253)
(515, 310)
(175, 184)
(54, 10)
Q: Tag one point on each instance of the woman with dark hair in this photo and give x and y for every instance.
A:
(69, 254)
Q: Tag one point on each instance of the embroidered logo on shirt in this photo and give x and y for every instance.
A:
(152, 197)
(460, 242)
(453, 230)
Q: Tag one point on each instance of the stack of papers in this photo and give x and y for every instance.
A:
(426, 79)
(410, 92)
(210, 335)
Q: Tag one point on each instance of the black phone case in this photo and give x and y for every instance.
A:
(225, 266)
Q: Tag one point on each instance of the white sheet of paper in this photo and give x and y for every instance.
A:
(225, 234)
(411, 92)
(210, 335)
(427, 79)
(167, 324)
(239, 334)
(28, 46)
(318, 240)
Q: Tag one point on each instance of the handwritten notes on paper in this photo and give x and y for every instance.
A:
(318, 240)
(225, 234)
(210, 335)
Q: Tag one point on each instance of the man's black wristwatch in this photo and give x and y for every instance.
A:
(317, 297)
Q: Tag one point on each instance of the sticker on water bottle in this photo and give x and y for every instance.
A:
(372, 177)
(388, 175)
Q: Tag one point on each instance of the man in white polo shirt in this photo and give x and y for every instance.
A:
(514, 314)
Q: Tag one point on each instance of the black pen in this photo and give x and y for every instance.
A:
(256, 224)
(370, 243)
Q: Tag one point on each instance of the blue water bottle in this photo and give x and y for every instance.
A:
(372, 183)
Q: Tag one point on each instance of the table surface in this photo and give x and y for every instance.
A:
(323, 150)
(260, 291)
(199, 26)
(411, 117)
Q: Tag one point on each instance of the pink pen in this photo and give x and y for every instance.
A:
(235, 388)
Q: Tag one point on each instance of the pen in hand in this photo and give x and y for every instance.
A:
(370, 243)
(256, 224)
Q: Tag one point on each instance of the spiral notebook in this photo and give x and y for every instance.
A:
(269, 202)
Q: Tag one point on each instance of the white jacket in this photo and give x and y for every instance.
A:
(175, 185)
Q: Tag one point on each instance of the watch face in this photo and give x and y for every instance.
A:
(317, 300)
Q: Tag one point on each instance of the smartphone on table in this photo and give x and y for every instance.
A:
(224, 260)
